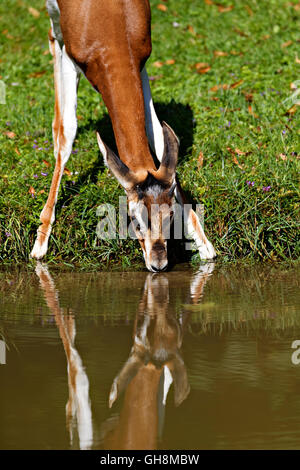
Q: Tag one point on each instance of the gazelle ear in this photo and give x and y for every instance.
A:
(180, 378)
(123, 174)
(167, 169)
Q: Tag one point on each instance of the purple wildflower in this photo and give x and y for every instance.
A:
(283, 132)
(34, 146)
(7, 234)
(35, 176)
(229, 124)
(8, 123)
(45, 141)
(44, 174)
(250, 183)
(266, 188)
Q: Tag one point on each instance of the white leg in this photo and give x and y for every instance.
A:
(156, 140)
(64, 130)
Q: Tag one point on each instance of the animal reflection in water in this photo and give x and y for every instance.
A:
(154, 364)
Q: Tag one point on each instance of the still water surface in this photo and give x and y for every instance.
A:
(181, 360)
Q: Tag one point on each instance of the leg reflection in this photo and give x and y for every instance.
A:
(78, 408)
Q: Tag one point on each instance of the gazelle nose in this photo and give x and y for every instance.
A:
(157, 269)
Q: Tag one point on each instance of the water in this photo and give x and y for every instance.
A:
(180, 360)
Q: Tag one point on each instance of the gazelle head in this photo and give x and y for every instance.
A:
(150, 198)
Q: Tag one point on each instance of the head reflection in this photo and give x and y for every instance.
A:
(154, 364)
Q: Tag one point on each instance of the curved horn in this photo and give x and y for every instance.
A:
(124, 175)
(167, 169)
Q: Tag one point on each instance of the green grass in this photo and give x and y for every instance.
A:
(261, 40)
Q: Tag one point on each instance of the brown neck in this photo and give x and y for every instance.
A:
(111, 41)
(138, 423)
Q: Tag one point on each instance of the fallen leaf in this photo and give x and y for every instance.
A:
(240, 32)
(265, 37)
(191, 30)
(46, 52)
(252, 112)
(209, 2)
(248, 96)
(17, 151)
(200, 160)
(220, 87)
(297, 60)
(46, 163)
(249, 10)
(287, 43)
(239, 152)
(170, 61)
(37, 74)
(223, 9)
(79, 117)
(34, 12)
(10, 134)
(162, 7)
(41, 191)
(292, 110)
(31, 190)
(236, 53)
(204, 70)
(282, 156)
(158, 64)
(220, 54)
(236, 84)
(235, 160)
(293, 86)
(200, 65)
(67, 172)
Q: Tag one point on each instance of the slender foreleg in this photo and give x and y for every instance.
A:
(64, 128)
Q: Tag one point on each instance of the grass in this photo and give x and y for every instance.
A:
(221, 76)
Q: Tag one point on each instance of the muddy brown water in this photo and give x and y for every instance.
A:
(190, 359)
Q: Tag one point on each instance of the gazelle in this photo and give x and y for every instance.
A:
(110, 42)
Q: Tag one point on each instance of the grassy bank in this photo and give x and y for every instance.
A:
(222, 76)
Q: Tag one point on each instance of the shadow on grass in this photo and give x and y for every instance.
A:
(177, 115)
